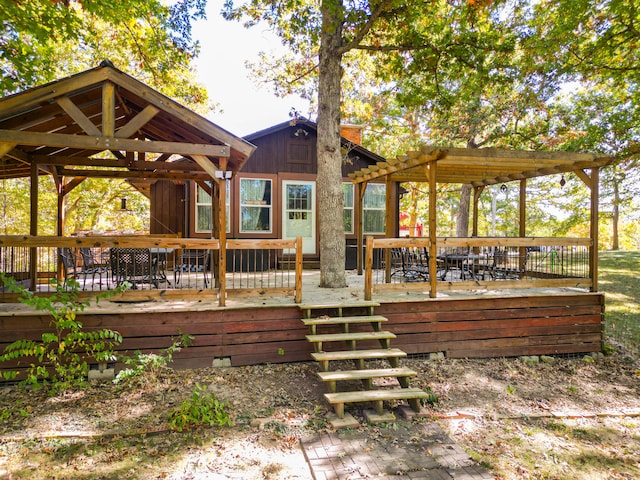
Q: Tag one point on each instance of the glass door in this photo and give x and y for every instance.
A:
(299, 213)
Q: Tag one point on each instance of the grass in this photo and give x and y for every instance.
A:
(618, 279)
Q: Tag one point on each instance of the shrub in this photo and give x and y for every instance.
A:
(201, 409)
(59, 358)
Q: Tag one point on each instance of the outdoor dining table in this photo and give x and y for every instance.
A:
(467, 263)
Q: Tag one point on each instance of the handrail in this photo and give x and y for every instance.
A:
(552, 262)
(51, 265)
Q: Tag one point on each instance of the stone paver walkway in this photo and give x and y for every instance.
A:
(399, 451)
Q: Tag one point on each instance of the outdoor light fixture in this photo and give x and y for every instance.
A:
(301, 132)
(226, 174)
(563, 182)
(503, 188)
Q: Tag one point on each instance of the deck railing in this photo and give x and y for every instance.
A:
(403, 264)
(153, 266)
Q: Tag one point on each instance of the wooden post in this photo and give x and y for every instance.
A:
(60, 226)
(522, 227)
(298, 293)
(433, 247)
(389, 209)
(593, 252)
(360, 189)
(108, 109)
(33, 227)
(221, 218)
(368, 270)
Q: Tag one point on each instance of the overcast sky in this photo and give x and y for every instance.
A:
(225, 47)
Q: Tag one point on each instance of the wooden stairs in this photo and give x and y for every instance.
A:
(348, 324)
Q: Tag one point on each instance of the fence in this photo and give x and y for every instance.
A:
(153, 266)
(476, 263)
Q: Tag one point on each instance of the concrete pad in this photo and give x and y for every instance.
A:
(348, 421)
(374, 417)
(408, 413)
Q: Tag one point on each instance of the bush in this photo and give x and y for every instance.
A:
(201, 409)
(59, 359)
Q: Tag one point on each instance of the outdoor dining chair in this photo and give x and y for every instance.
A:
(192, 260)
(133, 265)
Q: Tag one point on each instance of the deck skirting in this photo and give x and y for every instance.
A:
(467, 327)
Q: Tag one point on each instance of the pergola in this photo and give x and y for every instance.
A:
(480, 167)
(103, 123)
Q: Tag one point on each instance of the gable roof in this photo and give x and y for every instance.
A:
(368, 154)
(62, 125)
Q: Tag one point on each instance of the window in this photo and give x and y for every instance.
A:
(373, 209)
(203, 209)
(347, 192)
(255, 205)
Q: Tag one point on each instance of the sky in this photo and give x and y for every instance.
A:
(224, 48)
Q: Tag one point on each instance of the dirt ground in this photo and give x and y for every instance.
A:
(570, 418)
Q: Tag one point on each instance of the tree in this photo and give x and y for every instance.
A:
(410, 30)
(42, 40)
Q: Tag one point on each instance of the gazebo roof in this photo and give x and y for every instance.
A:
(479, 166)
(99, 118)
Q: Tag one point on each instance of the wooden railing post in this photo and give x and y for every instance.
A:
(222, 271)
(368, 269)
(298, 293)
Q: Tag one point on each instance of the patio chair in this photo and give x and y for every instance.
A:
(408, 266)
(191, 260)
(72, 268)
(91, 266)
(133, 265)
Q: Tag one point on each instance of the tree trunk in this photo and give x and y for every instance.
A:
(330, 196)
(615, 217)
(462, 220)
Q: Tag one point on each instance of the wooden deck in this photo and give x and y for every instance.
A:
(260, 329)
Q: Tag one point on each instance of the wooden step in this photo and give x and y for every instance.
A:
(391, 354)
(344, 322)
(350, 338)
(308, 308)
(330, 378)
(412, 395)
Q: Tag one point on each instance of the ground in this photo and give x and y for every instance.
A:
(572, 418)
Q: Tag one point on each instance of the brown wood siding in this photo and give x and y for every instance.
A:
(167, 208)
(492, 327)
(275, 155)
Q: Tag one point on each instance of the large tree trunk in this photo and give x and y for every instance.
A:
(615, 218)
(462, 220)
(330, 197)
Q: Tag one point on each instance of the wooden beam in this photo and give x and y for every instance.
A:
(582, 175)
(69, 172)
(111, 143)
(150, 165)
(207, 165)
(6, 148)
(190, 118)
(137, 122)
(108, 109)
(73, 183)
(78, 116)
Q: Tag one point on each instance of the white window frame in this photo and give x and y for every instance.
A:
(268, 206)
(349, 208)
(208, 205)
(366, 209)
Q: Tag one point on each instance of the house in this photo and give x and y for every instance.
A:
(274, 195)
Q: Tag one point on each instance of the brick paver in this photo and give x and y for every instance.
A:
(401, 451)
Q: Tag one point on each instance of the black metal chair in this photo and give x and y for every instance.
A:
(91, 266)
(191, 260)
(133, 265)
(407, 266)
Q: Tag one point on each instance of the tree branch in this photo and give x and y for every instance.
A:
(366, 28)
